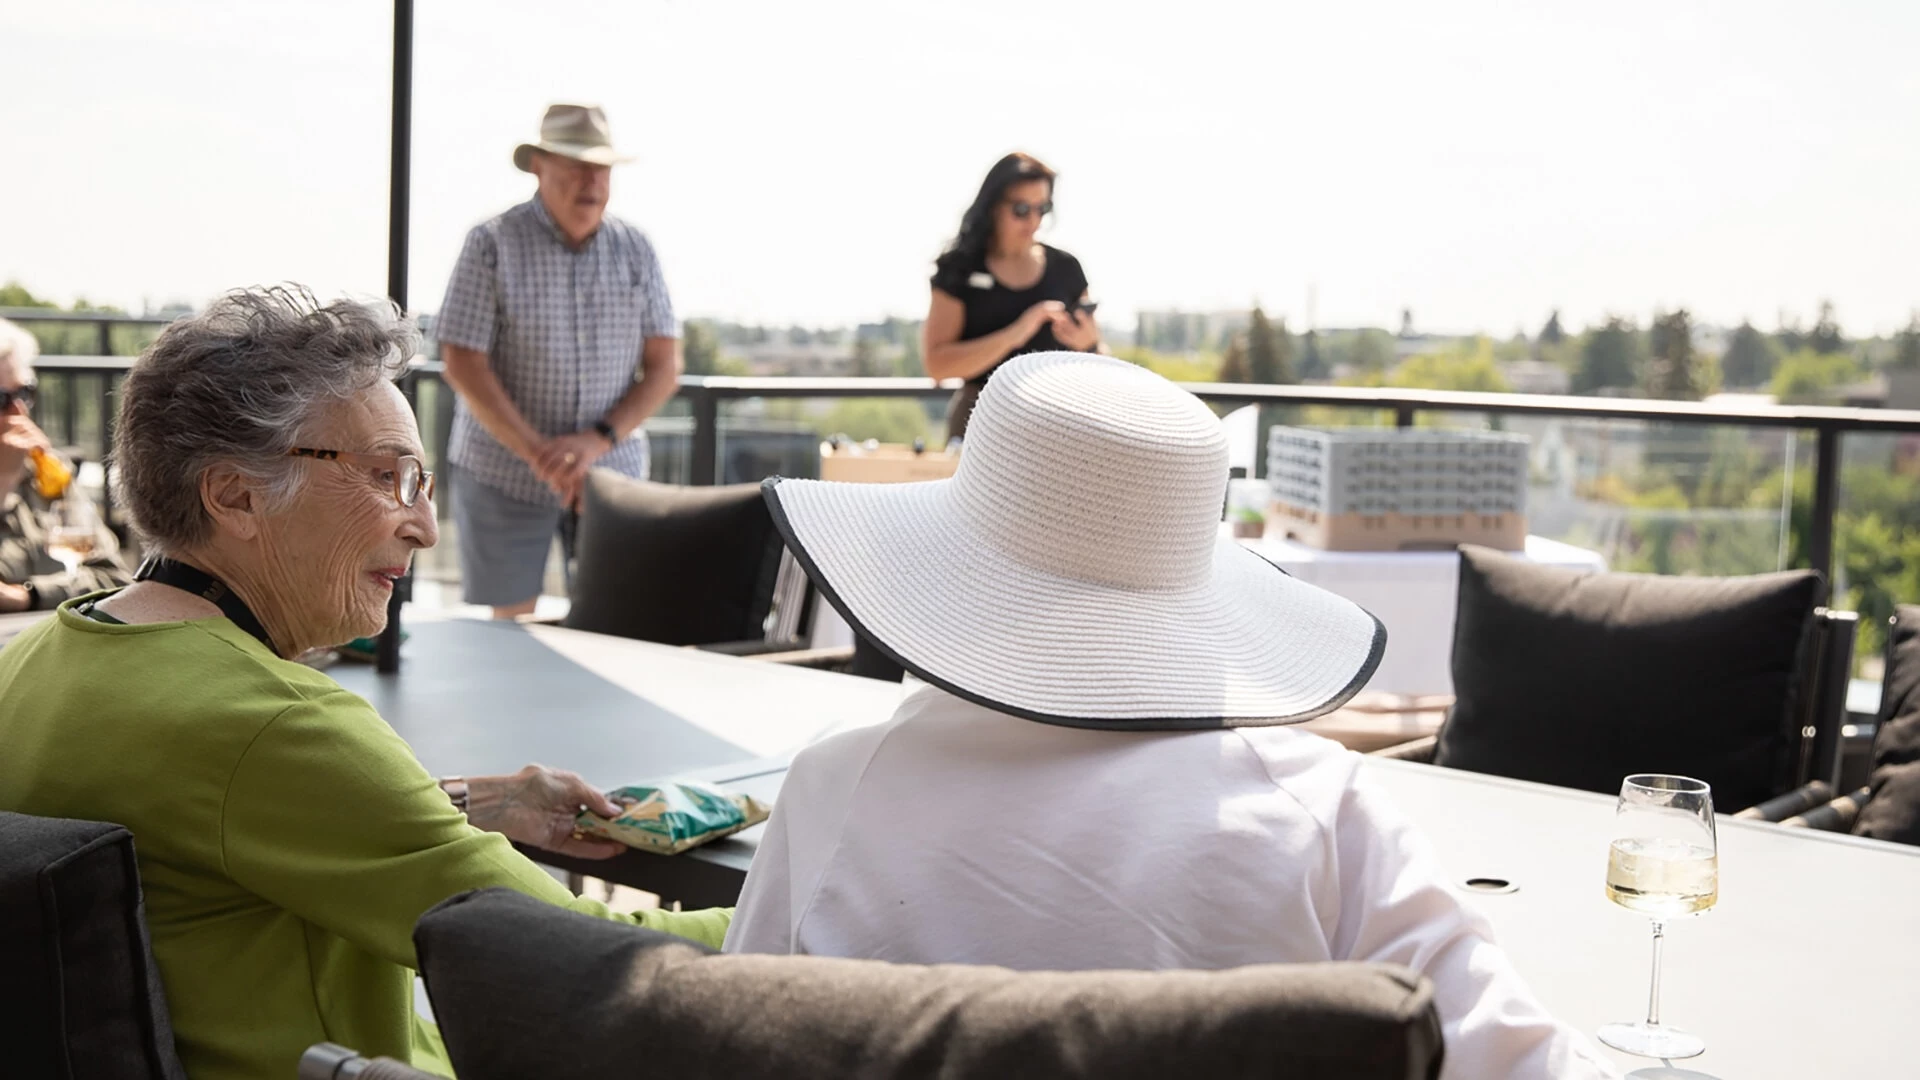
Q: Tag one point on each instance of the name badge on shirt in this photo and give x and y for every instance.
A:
(980, 280)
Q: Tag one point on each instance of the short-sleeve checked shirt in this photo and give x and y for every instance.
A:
(562, 330)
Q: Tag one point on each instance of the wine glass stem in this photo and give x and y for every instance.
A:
(1653, 995)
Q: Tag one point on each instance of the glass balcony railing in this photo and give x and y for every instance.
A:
(1653, 486)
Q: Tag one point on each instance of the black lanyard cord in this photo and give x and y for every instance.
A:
(207, 587)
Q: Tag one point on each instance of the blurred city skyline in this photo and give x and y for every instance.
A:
(1479, 163)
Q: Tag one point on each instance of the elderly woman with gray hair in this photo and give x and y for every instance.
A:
(288, 838)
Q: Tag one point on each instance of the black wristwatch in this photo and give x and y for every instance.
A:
(606, 431)
(33, 595)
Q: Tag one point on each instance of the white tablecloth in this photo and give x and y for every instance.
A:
(1412, 593)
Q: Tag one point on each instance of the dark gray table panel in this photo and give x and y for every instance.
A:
(482, 698)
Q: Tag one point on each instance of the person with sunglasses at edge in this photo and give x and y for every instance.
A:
(998, 292)
(31, 579)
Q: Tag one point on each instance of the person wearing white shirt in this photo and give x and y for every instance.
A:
(1092, 768)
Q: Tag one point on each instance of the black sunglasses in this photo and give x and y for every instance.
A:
(24, 395)
(1024, 209)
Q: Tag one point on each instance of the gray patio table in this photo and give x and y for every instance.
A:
(478, 698)
(1805, 968)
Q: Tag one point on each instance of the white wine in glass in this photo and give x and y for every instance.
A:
(1664, 864)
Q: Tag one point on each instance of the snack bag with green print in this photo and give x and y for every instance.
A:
(673, 816)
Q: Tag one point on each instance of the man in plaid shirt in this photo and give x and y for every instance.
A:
(559, 339)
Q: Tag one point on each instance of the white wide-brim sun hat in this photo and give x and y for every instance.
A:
(1072, 572)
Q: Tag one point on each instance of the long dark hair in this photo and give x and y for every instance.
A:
(976, 226)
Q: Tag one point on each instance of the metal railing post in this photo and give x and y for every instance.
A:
(704, 460)
(107, 427)
(70, 410)
(1826, 500)
(105, 339)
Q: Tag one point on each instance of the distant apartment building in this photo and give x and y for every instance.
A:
(1390, 489)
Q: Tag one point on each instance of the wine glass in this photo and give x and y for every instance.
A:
(1664, 864)
(72, 527)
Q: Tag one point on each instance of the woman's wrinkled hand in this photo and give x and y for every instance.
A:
(537, 806)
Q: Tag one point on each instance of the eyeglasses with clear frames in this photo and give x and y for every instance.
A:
(410, 476)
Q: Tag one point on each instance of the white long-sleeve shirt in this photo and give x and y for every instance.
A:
(957, 834)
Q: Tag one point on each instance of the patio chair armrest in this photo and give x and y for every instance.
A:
(539, 620)
(329, 1061)
(1420, 750)
(833, 656)
(1835, 816)
(1798, 801)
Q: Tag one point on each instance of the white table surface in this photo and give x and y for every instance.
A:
(1805, 969)
(1412, 593)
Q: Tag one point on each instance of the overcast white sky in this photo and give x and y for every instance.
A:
(1479, 162)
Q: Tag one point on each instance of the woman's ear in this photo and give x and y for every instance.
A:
(232, 502)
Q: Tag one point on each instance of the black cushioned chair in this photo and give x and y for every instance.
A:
(1579, 679)
(699, 566)
(1888, 808)
(524, 989)
(80, 997)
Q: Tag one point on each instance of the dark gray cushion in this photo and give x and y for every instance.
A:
(1892, 811)
(80, 996)
(676, 565)
(1580, 679)
(524, 989)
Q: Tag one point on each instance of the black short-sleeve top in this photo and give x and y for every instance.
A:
(992, 306)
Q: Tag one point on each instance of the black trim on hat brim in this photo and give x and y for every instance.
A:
(768, 491)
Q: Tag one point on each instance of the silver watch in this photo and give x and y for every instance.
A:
(456, 789)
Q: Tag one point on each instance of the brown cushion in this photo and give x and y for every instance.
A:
(676, 565)
(522, 989)
(1892, 811)
(1580, 679)
(80, 996)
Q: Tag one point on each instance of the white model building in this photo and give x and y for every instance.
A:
(1390, 489)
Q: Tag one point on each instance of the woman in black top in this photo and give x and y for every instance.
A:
(998, 292)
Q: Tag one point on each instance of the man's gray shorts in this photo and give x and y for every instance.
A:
(503, 541)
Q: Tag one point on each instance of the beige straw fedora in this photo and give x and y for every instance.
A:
(1072, 571)
(572, 131)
